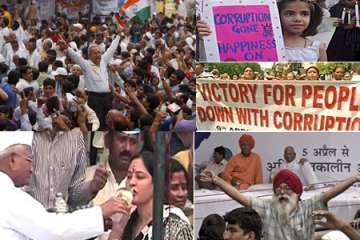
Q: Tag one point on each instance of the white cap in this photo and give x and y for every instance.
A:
(78, 25)
(60, 71)
(132, 51)
(148, 35)
(189, 41)
(116, 61)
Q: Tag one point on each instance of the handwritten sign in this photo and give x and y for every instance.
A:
(275, 106)
(243, 32)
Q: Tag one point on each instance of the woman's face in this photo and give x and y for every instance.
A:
(249, 74)
(178, 192)
(140, 181)
(312, 74)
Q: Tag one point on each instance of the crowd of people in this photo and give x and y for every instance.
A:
(312, 73)
(74, 72)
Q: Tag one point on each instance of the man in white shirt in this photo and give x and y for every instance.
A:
(302, 167)
(34, 55)
(217, 165)
(96, 75)
(120, 147)
(26, 80)
(16, 48)
(24, 218)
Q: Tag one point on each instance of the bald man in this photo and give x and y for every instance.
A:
(22, 217)
(301, 167)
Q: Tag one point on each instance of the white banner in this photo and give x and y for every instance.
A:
(46, 9)
(104, 7)
(277, 105)
(333, 156)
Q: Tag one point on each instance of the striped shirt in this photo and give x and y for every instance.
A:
(96, 77)
(301, 225)
(59, 166)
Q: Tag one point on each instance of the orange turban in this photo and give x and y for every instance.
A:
(247, 139)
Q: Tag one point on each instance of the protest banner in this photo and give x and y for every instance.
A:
(104, 7)
(46, 9)
(333, 156)
(245, 31)
(277, 106)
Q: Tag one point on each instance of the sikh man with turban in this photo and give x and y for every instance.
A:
(244, 169)
(285, 216)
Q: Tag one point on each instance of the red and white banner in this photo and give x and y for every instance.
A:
(277, 105)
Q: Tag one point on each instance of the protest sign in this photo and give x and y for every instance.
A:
(242, 32)
(273, 105)
(104, 7)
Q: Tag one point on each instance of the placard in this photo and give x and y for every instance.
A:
(243, 31)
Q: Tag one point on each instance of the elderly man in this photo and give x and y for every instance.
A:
(285, 216)
(22, 217)
(301, 167)
(244, 169)
(96, 75)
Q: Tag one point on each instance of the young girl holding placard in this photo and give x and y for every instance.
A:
(300, 19)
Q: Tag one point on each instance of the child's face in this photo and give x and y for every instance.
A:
(312, 74)
(295, 17)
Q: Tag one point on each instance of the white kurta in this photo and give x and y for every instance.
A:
(22, 218)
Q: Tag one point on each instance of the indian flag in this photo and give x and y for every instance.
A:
(140, 10)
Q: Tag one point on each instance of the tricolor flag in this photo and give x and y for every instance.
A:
(138, 9)
(119, 20)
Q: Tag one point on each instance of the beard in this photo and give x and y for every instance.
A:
(283, 205)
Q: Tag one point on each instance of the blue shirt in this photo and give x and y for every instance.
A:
(12, 97)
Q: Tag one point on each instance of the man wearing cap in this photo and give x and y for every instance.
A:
(244, 169)
(285, 216)
(59, 74)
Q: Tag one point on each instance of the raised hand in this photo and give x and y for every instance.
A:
(99, 180)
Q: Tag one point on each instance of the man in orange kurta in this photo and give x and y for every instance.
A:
(244, 169)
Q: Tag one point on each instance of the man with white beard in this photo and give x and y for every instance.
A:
(285, 216)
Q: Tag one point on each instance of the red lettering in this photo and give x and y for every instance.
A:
(306, 94)
(267, 93)
(330, 102)
(329, 123)
(353, 106)
(277, 114)
(318, 95)
(278, 93)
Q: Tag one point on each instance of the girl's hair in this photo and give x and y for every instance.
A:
(313, 67)
(148, 159)
(173, 166)
(316, 15)
(212, 228)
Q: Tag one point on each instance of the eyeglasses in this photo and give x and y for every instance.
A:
(286, 189)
